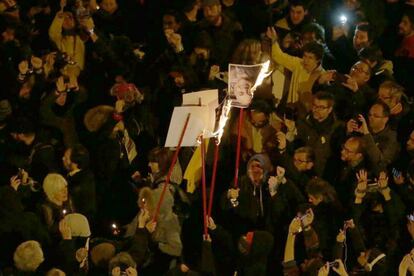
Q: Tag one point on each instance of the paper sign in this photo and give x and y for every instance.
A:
(206, 97)
(242, 83)
(198, 124)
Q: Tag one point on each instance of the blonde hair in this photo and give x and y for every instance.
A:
(52, 184)
(396, 90)
(249, 52)
(28, 256)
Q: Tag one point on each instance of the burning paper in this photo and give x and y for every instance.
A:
(243, 81)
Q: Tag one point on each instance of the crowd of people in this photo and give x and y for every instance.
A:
(326, 178)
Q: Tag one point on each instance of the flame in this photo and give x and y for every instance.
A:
(264, 73)
(225, 111)
(224, 116)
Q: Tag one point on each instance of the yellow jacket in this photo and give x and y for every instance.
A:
(302, 80)
(69, 44)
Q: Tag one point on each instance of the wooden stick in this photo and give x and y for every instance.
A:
(213, 178)
(167, 179)
(236, 170)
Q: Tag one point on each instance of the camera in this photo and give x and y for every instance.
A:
(63, 59)
(123, 268)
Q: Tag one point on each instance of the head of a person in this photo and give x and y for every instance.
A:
(363, 36)
(202, 46)
(378, 116)
(297, 11)
(259, 113)
(351, 5)
(8, 32)
(313, 32)
(120, 263)
(191, 5)
(101, 254)
(69, 22)
(22, 130)
(55, 188)
(249, 52)
(352, 150)
(269, 2)
(28, 256)
(257, 168)
(410, 172)
(409, 146)
(76, 158)
(110, 6)
(319, 191)
(303, 159)
(371, 55)
(212, 11)
(312, 55)
(406, 26)
(171, 20)
(361, 72)
(159, 160)
(322, 105)
(55, 272)
(390, 93)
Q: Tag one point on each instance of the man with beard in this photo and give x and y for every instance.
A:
(222, 30)
(320, 130)
(345, 52)
(381, 142)
(81, 180)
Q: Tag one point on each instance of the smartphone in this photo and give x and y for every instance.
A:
(372, 187)
(334, 264)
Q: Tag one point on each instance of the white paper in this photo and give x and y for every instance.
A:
(199, 123)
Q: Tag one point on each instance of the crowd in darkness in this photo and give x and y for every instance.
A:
(326, 179)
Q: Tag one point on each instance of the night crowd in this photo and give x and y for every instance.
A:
(326, 179)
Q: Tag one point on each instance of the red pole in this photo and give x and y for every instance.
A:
(203, 184)
(213, 178)
(167, 179)
(236, 171)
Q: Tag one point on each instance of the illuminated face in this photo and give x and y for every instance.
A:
(169, 22)
(66, 159)
(360, 72)
(410, 142)
(255, 172)
(212, 13)
(301, 162)
(405, 28)
(384, 94)
(68, 21)
(349, 151)
(376, 118)
(308, 37)
(7, 35)
(360, 40)
(62, 194)
(314, 199)
(321, 109)
(309, 61)
(258, 119)
(109, 6)
(297, 14)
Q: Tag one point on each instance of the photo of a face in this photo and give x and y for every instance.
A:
(241, 81)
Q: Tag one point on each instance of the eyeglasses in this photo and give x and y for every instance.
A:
(359, 69)
(301, 161)
(319, 107)
(375, 116)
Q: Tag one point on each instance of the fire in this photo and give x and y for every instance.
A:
(264, 73)
(225, 111)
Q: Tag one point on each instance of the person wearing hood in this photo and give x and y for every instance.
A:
(250, 199)
(162, 234)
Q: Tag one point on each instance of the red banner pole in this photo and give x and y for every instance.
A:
(174, 160)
